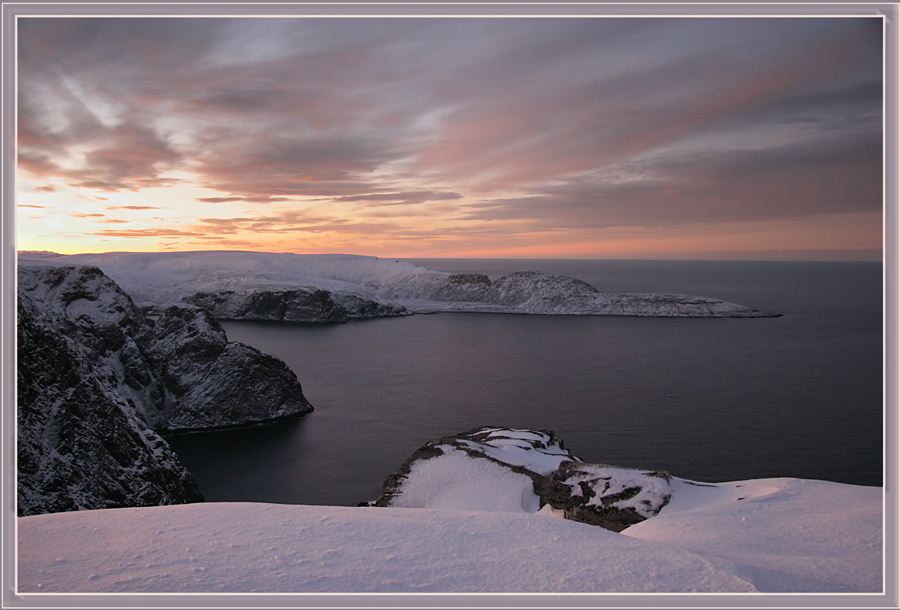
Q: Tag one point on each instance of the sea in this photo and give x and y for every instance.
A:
(709, 400)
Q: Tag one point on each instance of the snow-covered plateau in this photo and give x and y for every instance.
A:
(336, 287)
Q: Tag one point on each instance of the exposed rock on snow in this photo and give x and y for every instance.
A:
(522, 471)
(118, 375)
(364, 286)
(611, 497)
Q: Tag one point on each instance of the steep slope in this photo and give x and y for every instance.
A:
(97, 377)
(78, 446)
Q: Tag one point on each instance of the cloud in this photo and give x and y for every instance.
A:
(838, 175)
(556, 124)
(263, 199)
(281, 166)
(401, 198)
(123, 157)
(132, 207)
(145, 233)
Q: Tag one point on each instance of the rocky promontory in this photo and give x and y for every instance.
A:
(514, 470)
(98, 381)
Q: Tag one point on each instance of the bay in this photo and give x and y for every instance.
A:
(705, 399)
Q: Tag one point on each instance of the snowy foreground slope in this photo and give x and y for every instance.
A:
(334, 287)
(490, 510)
(770, 535)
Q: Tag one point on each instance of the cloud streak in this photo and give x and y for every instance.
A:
(552, 124)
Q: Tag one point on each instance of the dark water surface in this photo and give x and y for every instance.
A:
(706, 399)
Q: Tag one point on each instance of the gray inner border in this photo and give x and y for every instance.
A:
(209, 8)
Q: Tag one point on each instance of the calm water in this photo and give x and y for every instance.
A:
(707, 399)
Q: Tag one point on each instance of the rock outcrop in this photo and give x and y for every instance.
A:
(210, 382)
(611, 497)
(523, 471)
(98, 381)
(293, 305)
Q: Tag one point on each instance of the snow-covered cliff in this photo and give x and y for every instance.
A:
(79, 444)
(97, 379)
(332, 287)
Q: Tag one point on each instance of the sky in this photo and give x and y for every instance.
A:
(452, 137)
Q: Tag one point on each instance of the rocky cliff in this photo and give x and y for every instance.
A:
(291, 305)
(98, 380)
(79, 445)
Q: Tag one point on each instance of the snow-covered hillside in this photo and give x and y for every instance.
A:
(363, 286)
(771, 535)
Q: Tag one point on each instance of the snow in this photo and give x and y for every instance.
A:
(527, 448)
(456, 481)
(157, 278)
(767, 535)
(781, 534)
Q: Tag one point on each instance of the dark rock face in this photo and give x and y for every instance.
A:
(465, 287)
(613, 498)
(356, 308)
(299, 305)
(607, 496)
(294, 305)
(97, 377)
(209, 382)
(78, 446)
(522, 286)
